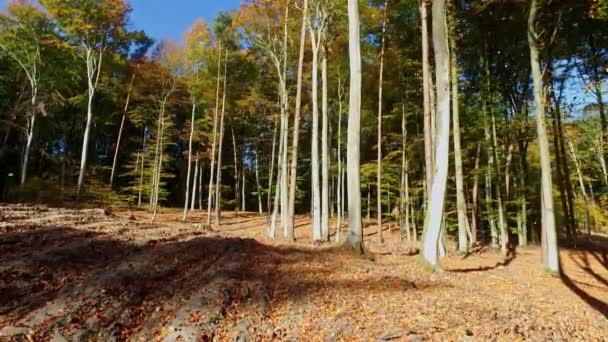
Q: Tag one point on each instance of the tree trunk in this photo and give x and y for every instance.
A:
(355, 229)
(271, 176)
(340, 182)
(236, 173)
(296, 128)
(257, 182)
(379, 146)
(194, 185)
(548, 214)
(185, 215)
(93, 72)
(324, 151)
(28, 144)
(461, 205)
(475, 197)
(218, 177)
(316, 195)
(214, 139)
(122, 125)
(434, 214)
(426, 91)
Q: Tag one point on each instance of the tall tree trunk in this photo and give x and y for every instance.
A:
(120, 130)
(434, 214)
(141, 176)
(316, 195)
(271, 176)
(404, 212)
(324, 151)
(340, 181)
(218, 177)
(461, 205)
(285, 127)
(583, 189)
(426, 91)
(548, 214)
(185, 215)
(475, 197)
(237, 185)
(489, 189)
(214, 138)
(355, 229)
(93, 72)
(257, 181)
(379, 146)
(194, 185)
(28, 144)
(296, 128)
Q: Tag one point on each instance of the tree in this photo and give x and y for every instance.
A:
(355, 229)
(93, 27)
(24, 32)
(434, 214)
(551, 253)
(198, 40)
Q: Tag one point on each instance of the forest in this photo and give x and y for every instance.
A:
(305, 170)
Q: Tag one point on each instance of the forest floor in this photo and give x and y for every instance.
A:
(90, 275)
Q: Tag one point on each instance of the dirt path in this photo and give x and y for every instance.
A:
(70, 275)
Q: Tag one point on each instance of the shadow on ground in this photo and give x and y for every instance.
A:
(63, 280)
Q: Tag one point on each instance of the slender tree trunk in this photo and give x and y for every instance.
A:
(489, 189)
(277, 196)
(355, 229)
(426, 91)
(404, 217)
(200, 187)
(461, 205)
(316, 195)
(340, 182)
(237, 185)
(475, 197)
(583, 189)
(243, 199)
(194, 185)
(548, 214)
(28, 144)
(257, 182)
(434, 215)
(93, 72)
(122, 125)
(324, 151)
(296, 128)
(271, 176)
(218, 177)
(185, 215)
(141, 176)
(379, 146)
(214, 138)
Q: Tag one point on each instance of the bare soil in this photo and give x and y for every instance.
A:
(95, 275)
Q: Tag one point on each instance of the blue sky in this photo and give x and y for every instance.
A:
(170, 18)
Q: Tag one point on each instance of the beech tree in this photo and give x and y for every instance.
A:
(93, 27)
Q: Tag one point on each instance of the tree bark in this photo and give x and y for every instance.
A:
(461, 205)
(214, 138)
(296, 128)
(355, 229)
(324, 151)
(548, 214)
(379, 146)
(93, 73)
(434, 214)
(426, 91)
(122, 125)
(218, 177)
(185, 214)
